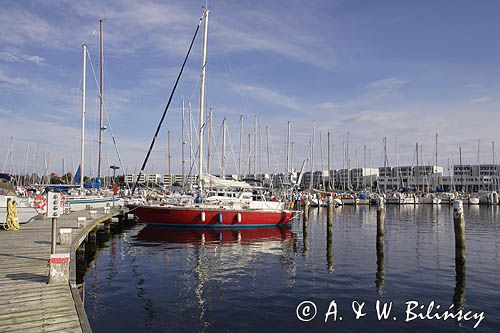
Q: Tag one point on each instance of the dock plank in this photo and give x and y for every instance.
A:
(27, 302)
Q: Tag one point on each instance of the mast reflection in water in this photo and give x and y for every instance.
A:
(147, 279)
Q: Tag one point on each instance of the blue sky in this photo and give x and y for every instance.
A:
(404, 70)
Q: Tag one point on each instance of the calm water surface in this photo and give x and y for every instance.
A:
(164, 280)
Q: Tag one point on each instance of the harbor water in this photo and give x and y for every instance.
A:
(145, 279)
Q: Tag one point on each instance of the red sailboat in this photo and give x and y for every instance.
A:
(237, 205)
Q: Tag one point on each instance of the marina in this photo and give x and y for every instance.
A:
(239, 167)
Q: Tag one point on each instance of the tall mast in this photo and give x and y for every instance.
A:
(418, 170)
(101, 96)
(259, 147)
(190, 133)
(436, 157)
(348, 162)
(169, 155)
(328, 158)
(209, 139)
(478, 144)
(182, 146)
(82, 144)
(385, 165)
(240, 171)
(461, 169)
(255, 145)
(493, 152)
(223, 163)
(287, 151)
(249, 155)
(267, 150)
(202, 94)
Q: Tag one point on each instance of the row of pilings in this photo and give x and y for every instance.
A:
(458, 229)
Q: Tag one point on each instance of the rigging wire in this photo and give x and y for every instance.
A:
(108, 120)
(166, 108)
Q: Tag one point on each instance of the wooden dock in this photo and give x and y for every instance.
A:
(27, 302)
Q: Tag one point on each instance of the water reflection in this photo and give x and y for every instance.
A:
(224, 280)
(202, 236)
(380, 275)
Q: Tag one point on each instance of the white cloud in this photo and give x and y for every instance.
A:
(11, 57)
(482, 99)
(270, 96)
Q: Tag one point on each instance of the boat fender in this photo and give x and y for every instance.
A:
(202, 216)
(220, 218)
(238, 217)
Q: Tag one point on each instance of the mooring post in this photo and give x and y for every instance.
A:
(329, 212)
(306, 209)
(329, 238)
(459, 229)
(379, 276)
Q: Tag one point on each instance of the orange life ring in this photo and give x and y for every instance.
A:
(40, 201)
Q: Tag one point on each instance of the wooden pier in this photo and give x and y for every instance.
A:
(27, 302)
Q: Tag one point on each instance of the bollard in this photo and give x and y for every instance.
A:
(81, 221)
(379, 276)
(93, 214)
(459, 229)
(65, 236)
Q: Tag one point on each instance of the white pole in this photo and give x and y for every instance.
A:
(82, 149)
(182, 147)
(287, 151)
(223, 163)
(202, 95)
(240, 171)
(101, 101)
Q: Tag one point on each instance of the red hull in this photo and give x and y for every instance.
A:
(193, 217)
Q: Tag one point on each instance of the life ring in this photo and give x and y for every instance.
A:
(41, 201)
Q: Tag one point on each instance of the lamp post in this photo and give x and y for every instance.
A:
(115, 188)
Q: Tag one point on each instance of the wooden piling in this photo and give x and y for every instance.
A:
(329, 212)
(380, 275)
(329, 241)
(459, 229)
(304, 226)
(306, 210)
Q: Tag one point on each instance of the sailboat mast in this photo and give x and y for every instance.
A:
(240, 171)
(169, 155)
(267, 150)
(82, 144)
(209, 140)
(418, 170)
(202, 94)
(101, 96)
(287, 151)
(385, 165)
(182, 146)
(328, 159)
(223, 162)
(255, 145)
